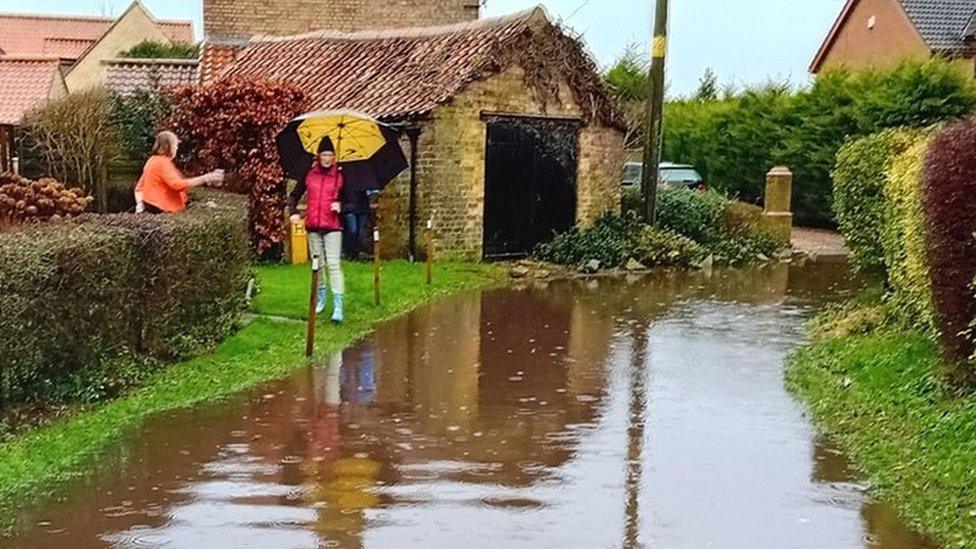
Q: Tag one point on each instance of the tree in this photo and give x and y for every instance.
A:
(707, 86)
(627, 79)
(231, 124)
(628, 83)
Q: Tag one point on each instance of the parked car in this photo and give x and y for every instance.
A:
(670, 176)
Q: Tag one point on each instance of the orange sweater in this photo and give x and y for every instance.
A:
(162, 185)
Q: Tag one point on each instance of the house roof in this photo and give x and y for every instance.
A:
(943, 24)
(66, 36)
(401, 73)
(126, 76)
(946, 26)
(27, 82)
(215, 56)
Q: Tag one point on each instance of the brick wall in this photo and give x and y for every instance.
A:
(226, 19)
(451, 167)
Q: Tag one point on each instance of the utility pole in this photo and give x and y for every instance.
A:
(653, 126)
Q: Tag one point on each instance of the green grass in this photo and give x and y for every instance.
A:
(36, 463)
(881, 396)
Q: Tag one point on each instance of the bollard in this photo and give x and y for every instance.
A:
(777, 218)
(312, 302)
(374, 206)
(376, 266)
(430, 251)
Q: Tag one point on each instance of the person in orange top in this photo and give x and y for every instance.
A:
(162, 188)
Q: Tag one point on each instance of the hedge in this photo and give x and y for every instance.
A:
(949, 203)
(903, 236)
(733, 141)
(860, 175)
(83, 292)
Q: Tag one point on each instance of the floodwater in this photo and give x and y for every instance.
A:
(641, 412)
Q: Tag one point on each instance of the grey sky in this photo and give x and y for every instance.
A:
(743, 41)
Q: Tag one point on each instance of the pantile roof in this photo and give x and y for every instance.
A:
(126, 76)
(401, 73)
(216, 56)
(27, 82)
(66, 36)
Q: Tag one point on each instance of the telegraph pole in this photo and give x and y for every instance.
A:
(653, 126)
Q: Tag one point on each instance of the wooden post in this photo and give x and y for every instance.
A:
(430, 251)
(373, 205)
(312, 303)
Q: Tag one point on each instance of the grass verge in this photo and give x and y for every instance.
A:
(35, 463)
(880, 395)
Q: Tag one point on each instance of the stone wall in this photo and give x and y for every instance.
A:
(228, 19)
(451, 167)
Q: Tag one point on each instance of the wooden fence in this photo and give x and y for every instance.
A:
(7, 148)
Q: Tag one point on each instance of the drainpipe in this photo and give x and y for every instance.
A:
(413, 133)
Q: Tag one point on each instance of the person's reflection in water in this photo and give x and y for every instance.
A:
(341, 484)
(359, 380)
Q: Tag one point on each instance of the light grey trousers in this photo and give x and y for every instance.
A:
(326, 248)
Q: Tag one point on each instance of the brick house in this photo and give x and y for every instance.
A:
(43, 57)
(876, 33)
(512, 133)
(229, 24)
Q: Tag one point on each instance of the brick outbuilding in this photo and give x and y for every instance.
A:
(513, 134)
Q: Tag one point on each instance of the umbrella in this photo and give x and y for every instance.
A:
(367, 150)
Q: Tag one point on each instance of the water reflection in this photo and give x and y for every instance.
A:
(606, 412)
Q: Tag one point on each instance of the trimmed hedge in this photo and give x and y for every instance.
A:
(903, 238)
(96, 289)
(859, 176)
(949, 201)
(877, 200)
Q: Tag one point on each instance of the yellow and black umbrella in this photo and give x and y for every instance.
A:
(367, 150)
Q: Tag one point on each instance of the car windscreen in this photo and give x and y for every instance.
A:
(679, 175)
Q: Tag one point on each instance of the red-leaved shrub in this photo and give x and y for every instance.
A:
(231, 124)
(949, 202)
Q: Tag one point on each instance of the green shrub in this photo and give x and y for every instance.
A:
(741, 218)
(695, 214)
(903, 238)
(82, 293)
(615, 239)
(631, 201)
(139, 117)
(729, 230)
(859, 178)
(151, 49)
(733, 141)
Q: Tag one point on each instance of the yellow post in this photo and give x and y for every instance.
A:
(777, 218)
(299, 242)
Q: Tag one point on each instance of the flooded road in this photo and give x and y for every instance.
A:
(603, 413)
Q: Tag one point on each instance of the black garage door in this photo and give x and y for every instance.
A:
(530, 182)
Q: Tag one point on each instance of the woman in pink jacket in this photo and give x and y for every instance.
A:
(323, 223)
